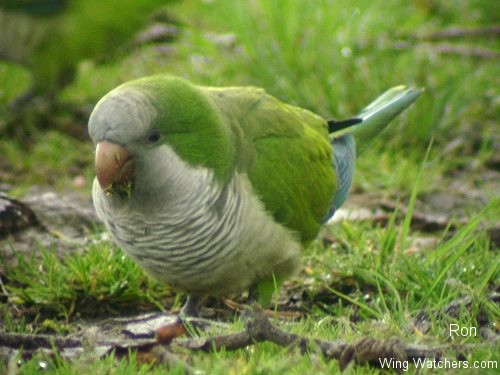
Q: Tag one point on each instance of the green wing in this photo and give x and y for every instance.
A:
(286, 153)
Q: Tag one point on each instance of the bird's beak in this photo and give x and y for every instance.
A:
(114, 166)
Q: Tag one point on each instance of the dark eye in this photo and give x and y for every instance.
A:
(154, 136)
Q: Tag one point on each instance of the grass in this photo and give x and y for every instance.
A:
(422, 279)
(101, 281)
(333, 58)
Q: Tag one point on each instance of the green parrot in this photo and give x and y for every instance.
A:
(214, 191)
(52, 36)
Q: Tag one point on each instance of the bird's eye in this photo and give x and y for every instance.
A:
(154, 136)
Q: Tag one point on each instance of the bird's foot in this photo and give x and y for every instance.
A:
(192, 307)
(249, 311)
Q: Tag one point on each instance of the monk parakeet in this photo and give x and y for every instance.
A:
(52, 36)
(217, 190)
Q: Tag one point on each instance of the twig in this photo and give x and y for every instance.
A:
(258, 329)
(365, 350)
(30, 342)
(420, 220)
(451, 49)
(458, 32)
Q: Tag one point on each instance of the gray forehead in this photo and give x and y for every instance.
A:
(123, 115)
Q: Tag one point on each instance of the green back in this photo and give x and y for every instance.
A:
(286, 153)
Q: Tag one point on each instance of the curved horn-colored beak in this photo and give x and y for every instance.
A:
(113, 165)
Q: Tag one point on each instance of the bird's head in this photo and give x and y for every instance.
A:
(141, 126)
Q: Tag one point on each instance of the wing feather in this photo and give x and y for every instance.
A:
(286, 153)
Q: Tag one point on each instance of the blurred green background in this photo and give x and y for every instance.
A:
(331, 57)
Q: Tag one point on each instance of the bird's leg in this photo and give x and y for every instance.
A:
(253, 295)
(253, 298)
(191, 307)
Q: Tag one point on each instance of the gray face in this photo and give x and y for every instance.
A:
(124, 116)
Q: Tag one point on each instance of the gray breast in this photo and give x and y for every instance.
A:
(182, 240)
(191, 232)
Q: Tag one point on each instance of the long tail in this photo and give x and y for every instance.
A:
(373, 119)
(365, 127)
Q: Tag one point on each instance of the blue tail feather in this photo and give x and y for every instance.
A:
(344, 156)
(365, 127)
